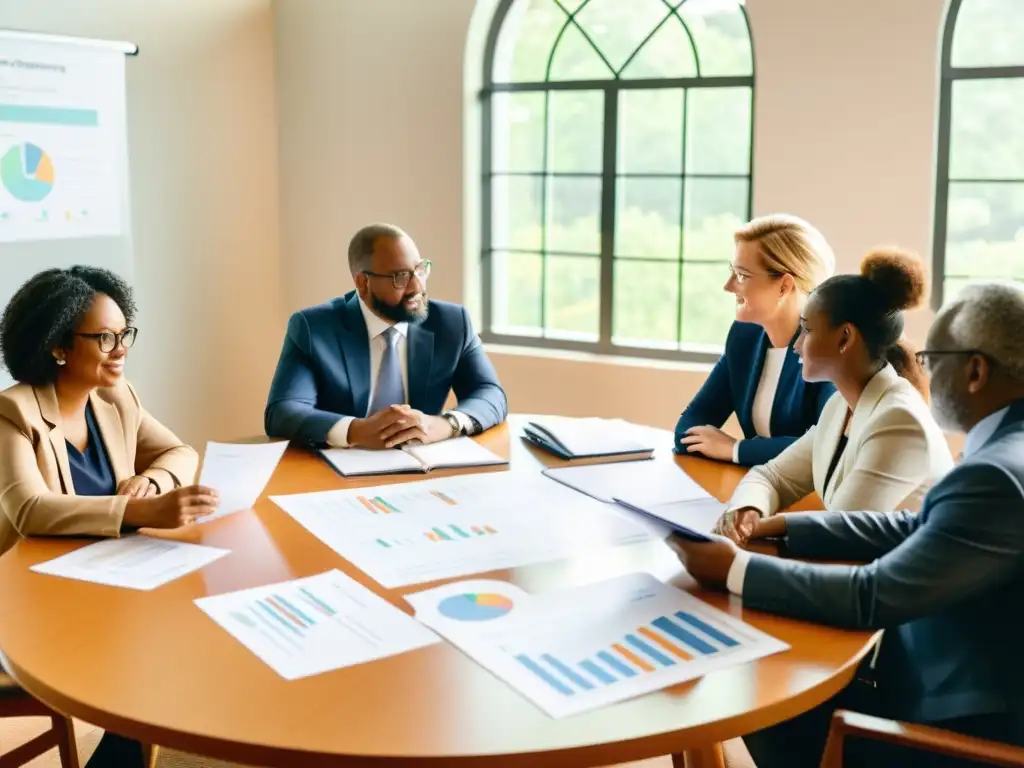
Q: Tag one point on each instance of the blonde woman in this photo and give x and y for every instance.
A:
(779, 260)
(876, 445)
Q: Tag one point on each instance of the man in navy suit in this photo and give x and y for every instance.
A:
(373, 368)
(945, 584)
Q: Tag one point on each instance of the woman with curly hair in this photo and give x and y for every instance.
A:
(876, 445)
(81, 457)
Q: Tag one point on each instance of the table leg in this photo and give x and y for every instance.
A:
(710, 756)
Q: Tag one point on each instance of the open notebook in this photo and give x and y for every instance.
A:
(574, 439)
(447, 454)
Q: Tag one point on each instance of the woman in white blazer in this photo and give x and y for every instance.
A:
(876, 445)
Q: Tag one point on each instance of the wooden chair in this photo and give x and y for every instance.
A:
(922, 737)
(15, 702)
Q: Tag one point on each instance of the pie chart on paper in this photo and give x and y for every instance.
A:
(475, 607)
(27, 172)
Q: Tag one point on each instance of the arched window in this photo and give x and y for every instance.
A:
(979, 210)
(617, 139)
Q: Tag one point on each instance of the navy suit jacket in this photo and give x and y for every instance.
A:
(324, 370)
(947, 585)
(731, 386)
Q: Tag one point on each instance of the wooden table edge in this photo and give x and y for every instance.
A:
(641, 748)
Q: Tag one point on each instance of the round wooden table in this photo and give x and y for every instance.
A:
(153, 666)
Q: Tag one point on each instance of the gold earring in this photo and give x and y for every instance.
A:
(61, 361)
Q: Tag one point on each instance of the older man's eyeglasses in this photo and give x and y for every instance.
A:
(925, 356)
(402, 277)
(108, 340)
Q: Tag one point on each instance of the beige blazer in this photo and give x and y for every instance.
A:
(894, 453)
(37, 495)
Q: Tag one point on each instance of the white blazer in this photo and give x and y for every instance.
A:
(894, 453)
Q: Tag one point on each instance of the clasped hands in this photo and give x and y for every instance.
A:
(397, 425)
(709, 562)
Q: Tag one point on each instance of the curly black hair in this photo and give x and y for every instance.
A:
(44, 313)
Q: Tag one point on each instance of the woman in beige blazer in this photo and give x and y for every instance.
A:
(81, 456)
(876, 445)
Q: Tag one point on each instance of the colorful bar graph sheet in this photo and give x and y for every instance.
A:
(316, 624)
(579, 649)
(458, 526)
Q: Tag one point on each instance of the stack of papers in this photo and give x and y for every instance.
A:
(447, 454)
(578, 649)
(594, 439)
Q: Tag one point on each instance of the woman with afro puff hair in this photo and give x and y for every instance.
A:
(81, 456)
(876, 445)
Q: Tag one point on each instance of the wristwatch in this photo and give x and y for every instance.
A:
(454, 422)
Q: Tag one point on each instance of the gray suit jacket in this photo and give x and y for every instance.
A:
(947, 584)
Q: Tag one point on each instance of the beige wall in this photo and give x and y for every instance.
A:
(203, 139)
(845, 111)
(361, 107)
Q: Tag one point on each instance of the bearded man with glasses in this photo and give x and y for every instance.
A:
(374, 368)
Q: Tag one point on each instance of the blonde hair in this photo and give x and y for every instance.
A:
(790, 246)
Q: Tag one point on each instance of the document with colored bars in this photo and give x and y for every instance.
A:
(586, 647)
(411, 533)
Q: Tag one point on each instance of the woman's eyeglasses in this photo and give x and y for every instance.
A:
(108, 340)
(742, 277)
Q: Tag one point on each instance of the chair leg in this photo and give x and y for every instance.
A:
(709, 756)
(149, 755)
(64, 731)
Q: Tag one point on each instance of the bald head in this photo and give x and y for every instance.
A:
(988, 317)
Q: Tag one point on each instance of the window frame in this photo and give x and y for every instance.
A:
(611, 87)
(949, 75)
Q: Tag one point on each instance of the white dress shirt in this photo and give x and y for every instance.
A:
(375, 328)
(764, 398)
(982, 431)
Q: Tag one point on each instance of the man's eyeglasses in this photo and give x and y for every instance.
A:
(402, 277)
(742, 277)
(924, 356)
(108, 340)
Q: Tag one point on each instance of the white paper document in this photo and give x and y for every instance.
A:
(457, 452)
(456, 526)
(239, 472)
(135, 562)
(316, 624)
(655, 480)
(582, 648)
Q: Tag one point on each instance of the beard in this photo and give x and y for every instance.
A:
(397, 313)
(949, 410)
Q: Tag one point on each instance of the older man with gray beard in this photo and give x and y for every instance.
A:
(946, 584)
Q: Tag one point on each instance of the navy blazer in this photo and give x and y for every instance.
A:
(324, 370)
(731, 386)
(946, 584)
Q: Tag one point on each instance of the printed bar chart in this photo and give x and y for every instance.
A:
(312, 625)
(577, 649)
(453, 532)
(666, 642)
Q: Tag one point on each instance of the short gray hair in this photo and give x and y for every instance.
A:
(987, 316)
(360, 248)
